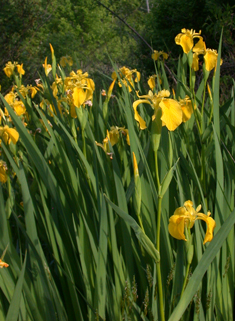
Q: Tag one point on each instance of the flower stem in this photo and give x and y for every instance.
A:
(159, 209)
(185, 279)
(156, 170)
(83, 143)
(159, 276)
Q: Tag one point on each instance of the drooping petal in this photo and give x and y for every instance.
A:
(151, 82)
(211, 224)
(79, 96)
(19, 107)
(9, 134)
(210, 59)
(200, 47)
(20, 69)
(10, 97)
(138, 75)
(113, 135)
(187, 108)
(172, 114)
(176, 227)
(13, 135)
(9, 69)
(137, 115)
(186, 42)
(195, 64)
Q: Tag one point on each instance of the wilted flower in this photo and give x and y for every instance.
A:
(3, 169)
(3, 264)
(185, 217)
(103, 92)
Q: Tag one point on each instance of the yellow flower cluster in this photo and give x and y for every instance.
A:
(185, 40)
(185, 217)
(128, 77)
(75, 90)
(15, 102)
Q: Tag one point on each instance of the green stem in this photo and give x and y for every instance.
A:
(83, 143)
(203, 104)
(159, 209)
(159, 275)
(158, 222)
(185, 279)
(156, 170)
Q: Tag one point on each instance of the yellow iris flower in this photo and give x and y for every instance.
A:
(172, 114)
(20, 69)
(185, 39)
(9, 69)
(113, 136)
(66, 60)
(9, 134)
(185, 217)
(210, 59)
(157, 54)
(127, 75)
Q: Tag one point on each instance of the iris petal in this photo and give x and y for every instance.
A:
(172, 114)
(137, 115)
(176, 227)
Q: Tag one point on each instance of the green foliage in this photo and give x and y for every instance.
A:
(82, 29)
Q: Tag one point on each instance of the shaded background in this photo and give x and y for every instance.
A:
(92, 35)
